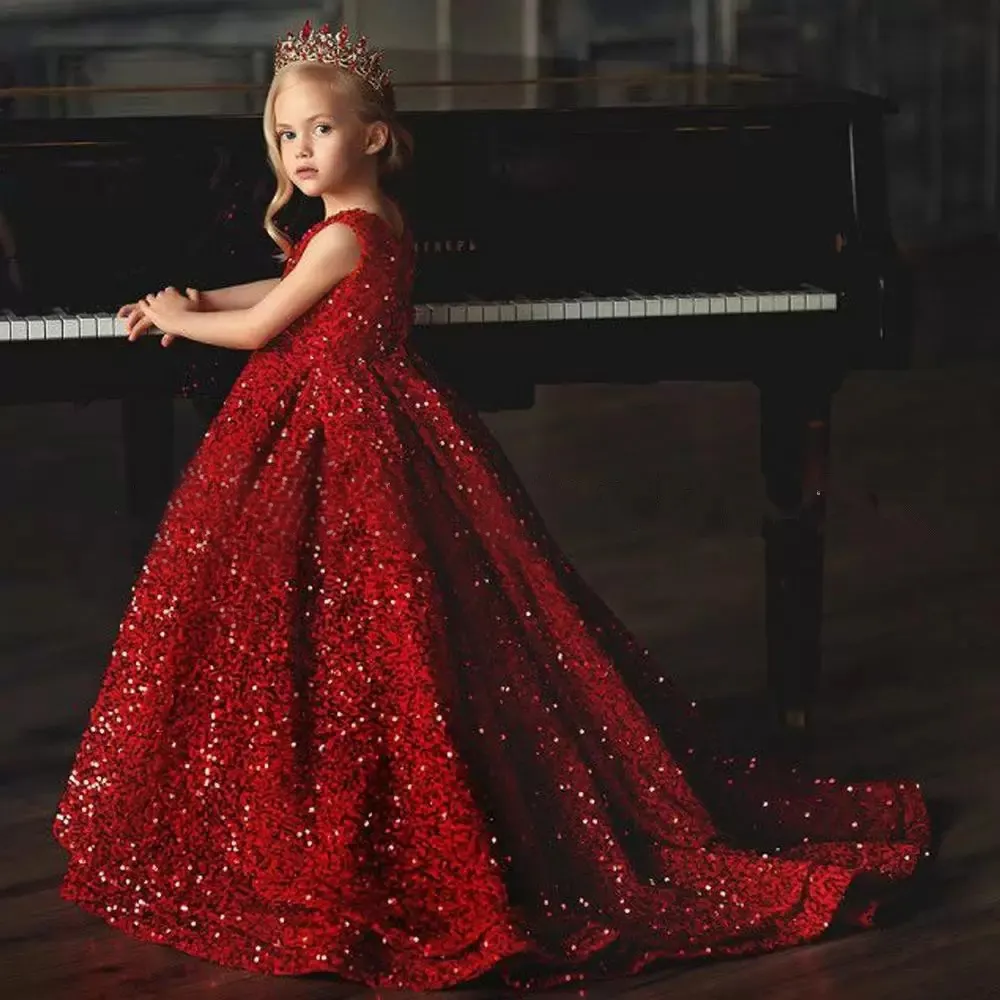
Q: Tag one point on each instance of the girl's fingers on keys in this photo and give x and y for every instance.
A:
(139, 326)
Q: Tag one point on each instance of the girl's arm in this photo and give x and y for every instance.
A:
(236, 296)
(331, 255)
(217, 300)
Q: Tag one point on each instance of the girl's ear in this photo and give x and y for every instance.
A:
(378, 138)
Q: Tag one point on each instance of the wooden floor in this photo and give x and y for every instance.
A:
(654, 492)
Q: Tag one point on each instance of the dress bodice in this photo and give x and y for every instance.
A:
(366, 315)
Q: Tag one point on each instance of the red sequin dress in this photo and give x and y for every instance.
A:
(363, 717)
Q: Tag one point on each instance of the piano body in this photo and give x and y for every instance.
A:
(709, 225)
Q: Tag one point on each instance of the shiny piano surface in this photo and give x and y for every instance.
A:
(699, 225)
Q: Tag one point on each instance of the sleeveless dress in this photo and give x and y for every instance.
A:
(362, 717)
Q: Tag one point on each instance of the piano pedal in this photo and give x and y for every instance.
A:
(792, 738)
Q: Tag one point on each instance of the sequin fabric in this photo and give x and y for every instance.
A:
(363, 717)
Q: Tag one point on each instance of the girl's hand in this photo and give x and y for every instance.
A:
(155, 310)
(135, 323)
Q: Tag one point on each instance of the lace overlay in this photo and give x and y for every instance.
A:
(363, 717)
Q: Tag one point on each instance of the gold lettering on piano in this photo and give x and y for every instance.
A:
(445, 246)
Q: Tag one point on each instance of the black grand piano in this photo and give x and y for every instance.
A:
(703, 226)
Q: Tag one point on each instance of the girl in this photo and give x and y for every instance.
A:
(362, 716)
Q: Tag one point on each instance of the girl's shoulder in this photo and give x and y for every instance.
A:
(371, 229)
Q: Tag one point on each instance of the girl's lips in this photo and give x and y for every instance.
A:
(305, 172)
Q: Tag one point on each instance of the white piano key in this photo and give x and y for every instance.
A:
(796, 302)
(508, 312)
(588, 309)
(540, 311)
(522, 311)
(71, 328)
(717, 305)
(620, 309)
(734, 305)
(19, 328)
(7, 320)
(819, 299)
(765, 303)
(654, 306)
(421, 315)
(88, 327)
(685, 305)
(36, 327)
(782, 302)
(491, 312)
(637, 307)
(439, 314)
(457, 313)
(605, 308)
(474, 312)
(573, 309)
(106, 327)
(557, 311)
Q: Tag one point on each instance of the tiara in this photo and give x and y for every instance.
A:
(337, 50)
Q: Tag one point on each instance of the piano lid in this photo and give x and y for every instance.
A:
(688, 88)
(680, 90)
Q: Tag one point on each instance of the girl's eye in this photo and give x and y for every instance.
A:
(283, 136)
(324, 129)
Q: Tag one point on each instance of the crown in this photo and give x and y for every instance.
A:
(337, 50)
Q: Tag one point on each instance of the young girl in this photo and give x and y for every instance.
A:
(362, 716)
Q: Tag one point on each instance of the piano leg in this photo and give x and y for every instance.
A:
(795, 437)
(148, 436)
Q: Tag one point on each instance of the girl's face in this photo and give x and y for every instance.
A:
(325, 147)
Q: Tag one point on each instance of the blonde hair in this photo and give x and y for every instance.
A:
(371, 106)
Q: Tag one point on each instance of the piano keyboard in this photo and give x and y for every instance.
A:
(625, 307)
(64, 326)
